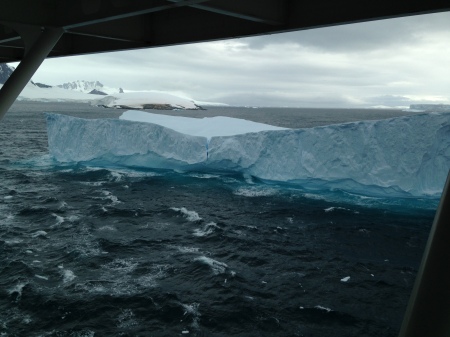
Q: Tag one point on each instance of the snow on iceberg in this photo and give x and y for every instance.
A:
(399, 156)
(205, 127)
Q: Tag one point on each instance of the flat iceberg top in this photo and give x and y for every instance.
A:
(204, 127)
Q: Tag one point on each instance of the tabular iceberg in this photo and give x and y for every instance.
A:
(399, 156)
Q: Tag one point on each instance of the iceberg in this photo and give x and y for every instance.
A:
(146, 100)
(404, 156)
(429, 107)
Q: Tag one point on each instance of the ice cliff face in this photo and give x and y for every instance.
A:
(396, 156)
(399, 156)
(117, 142)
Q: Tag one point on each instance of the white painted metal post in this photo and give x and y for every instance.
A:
(428, 311)
(27, 67)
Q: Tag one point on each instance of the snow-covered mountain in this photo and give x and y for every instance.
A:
(5, 72)
(33, 92)
(96, 93)
(88, 87)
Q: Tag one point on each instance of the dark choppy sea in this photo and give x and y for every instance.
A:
(91, 251)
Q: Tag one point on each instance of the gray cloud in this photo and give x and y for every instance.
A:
(365, 36)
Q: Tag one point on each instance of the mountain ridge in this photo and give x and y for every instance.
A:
(89, 92)
(88, 87)
(5, 72)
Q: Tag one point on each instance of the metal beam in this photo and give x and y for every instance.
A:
(428, 311)
(99, 24)
(267, 12)
(137, 29)
(117, 15)
(98, 36)
(10, 39)
(168, 28)
(81, 44)
(321, 13)
(70, 14)
(27, 67)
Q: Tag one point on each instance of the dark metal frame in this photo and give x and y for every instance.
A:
(32, 30)
(428, 311)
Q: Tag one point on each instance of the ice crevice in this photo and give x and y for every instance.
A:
(405, 156)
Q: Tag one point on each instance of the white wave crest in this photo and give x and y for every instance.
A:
(112, 197)
(186, 250)
(68, 276)
(59, 219)
(216, 266)
(323, 308)
(192, 311)
(17, 289)
(189, 215)
(39, 233)
(206, 230)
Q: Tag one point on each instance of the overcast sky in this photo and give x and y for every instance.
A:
(392, 62)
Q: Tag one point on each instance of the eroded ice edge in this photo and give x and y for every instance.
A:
(404, 156)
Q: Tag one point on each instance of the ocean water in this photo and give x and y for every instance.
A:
(95, 251)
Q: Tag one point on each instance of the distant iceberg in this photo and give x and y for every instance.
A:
(405, 156)
(429, 107)
(146, 100)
